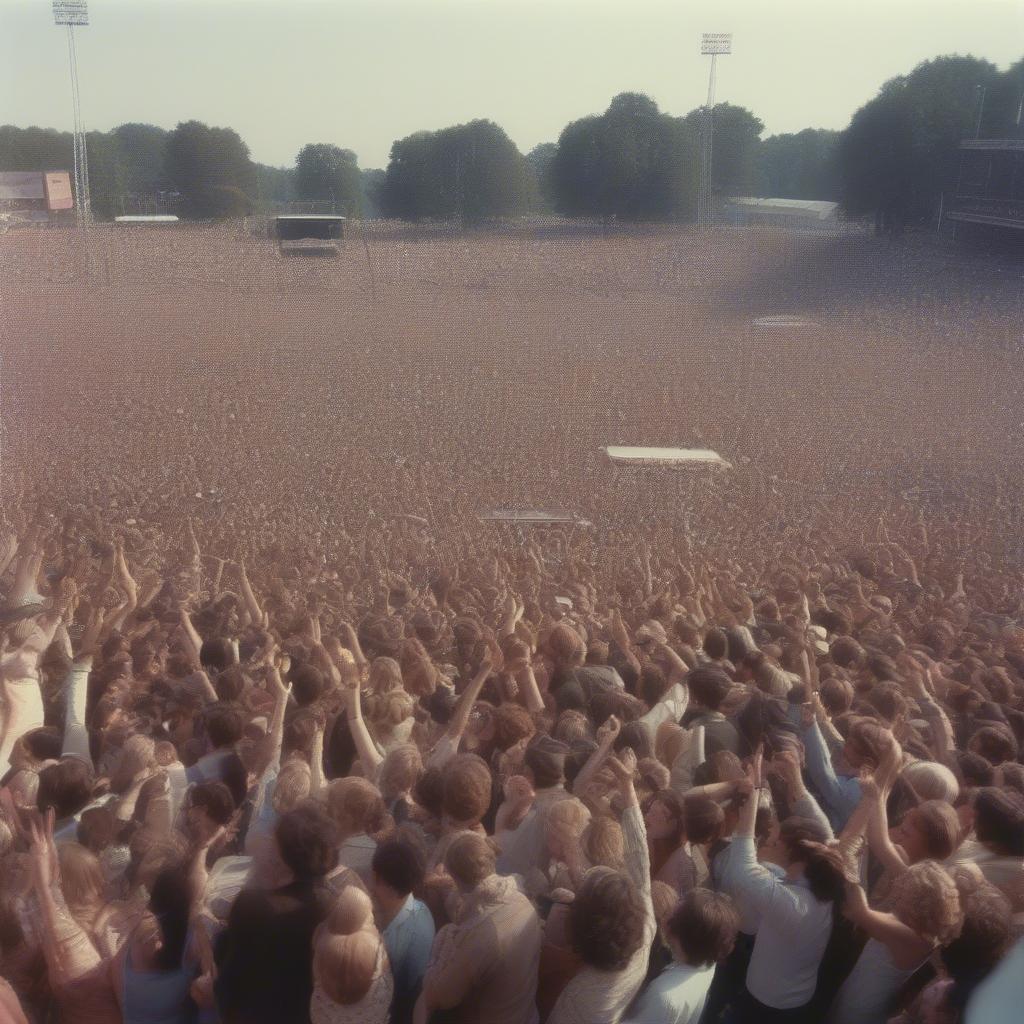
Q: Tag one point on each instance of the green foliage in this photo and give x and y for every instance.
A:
(900, 153)
(328, 173)
(472, 172)
(219, 202)
(631, 162)
(274, 186)
(372, 182)
(140, 156)
(803, 165)
(539, 161)
(200, 161)
(735, 147)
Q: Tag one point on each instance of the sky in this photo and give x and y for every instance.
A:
(362, 73)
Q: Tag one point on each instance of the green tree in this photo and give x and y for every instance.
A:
(472, 172)
(372, 182)
(275, 186)
(900, 153)
(800, 166)
(200, 161)
(632, 162)
(328, 173)
(140, 153)
(735, 142)
(539, 161)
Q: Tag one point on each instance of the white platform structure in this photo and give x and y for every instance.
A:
(784, 321)
(154, 218)
(533, 517)
(636, 456)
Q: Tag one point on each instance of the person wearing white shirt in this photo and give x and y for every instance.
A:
(796, 915)
(700, 933)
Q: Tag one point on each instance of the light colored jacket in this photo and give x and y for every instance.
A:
(485, 964)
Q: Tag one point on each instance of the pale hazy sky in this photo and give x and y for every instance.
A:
(362, 73)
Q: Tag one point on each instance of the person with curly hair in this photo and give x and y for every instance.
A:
(925, 915)
(611, 924)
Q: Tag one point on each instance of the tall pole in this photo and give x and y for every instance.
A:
(71, 13)
(712, 44)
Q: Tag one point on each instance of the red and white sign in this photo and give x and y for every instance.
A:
(58, 190)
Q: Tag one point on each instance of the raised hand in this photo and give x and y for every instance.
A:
(607, 733)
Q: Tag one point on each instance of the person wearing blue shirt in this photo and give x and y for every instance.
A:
(406, 924)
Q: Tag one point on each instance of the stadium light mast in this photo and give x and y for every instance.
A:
(71, 13)
(713, 45)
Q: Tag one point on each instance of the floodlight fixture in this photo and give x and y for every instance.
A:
(72, 14)
(713, 43)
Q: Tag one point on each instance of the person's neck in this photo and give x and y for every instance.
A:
(390, 903)
(795, 871)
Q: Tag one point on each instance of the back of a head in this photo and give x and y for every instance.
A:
(352, 910)
(65, 786)
(708, 686)
(512, 723)
(824, 869)
(216, 654)
(355, 805)
(467, 788)
(546, 760)
(225, 725)
(308, 843)
(398, 865)
(999, 820)
(82, 878)
(705, 819)
(704, 925)
(606, 920)
(470, 859)
(940, 826)
(345, 965)
(308, 683)
(925, 898)
(985, 933)
(401, 767)
(215, 799)
(716, 643)
(931, 781)
(43, 744)
(604, 844)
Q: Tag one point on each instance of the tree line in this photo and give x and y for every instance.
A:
(632, 162)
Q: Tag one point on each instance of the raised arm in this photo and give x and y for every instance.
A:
(634, 832)
(370, 756)
(460, 719)
(256, 613)
(606, 735)
(905, 945)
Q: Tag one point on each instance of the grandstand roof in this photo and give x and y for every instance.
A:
(803, 207)
(1003, 145)
(19, 185)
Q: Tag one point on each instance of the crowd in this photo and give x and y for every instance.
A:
(504, 789)
(287, 733)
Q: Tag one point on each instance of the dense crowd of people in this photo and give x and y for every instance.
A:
(289, 734)
(499, 792)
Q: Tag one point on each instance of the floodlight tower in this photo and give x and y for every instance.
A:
(713, 45)
(71, 13)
